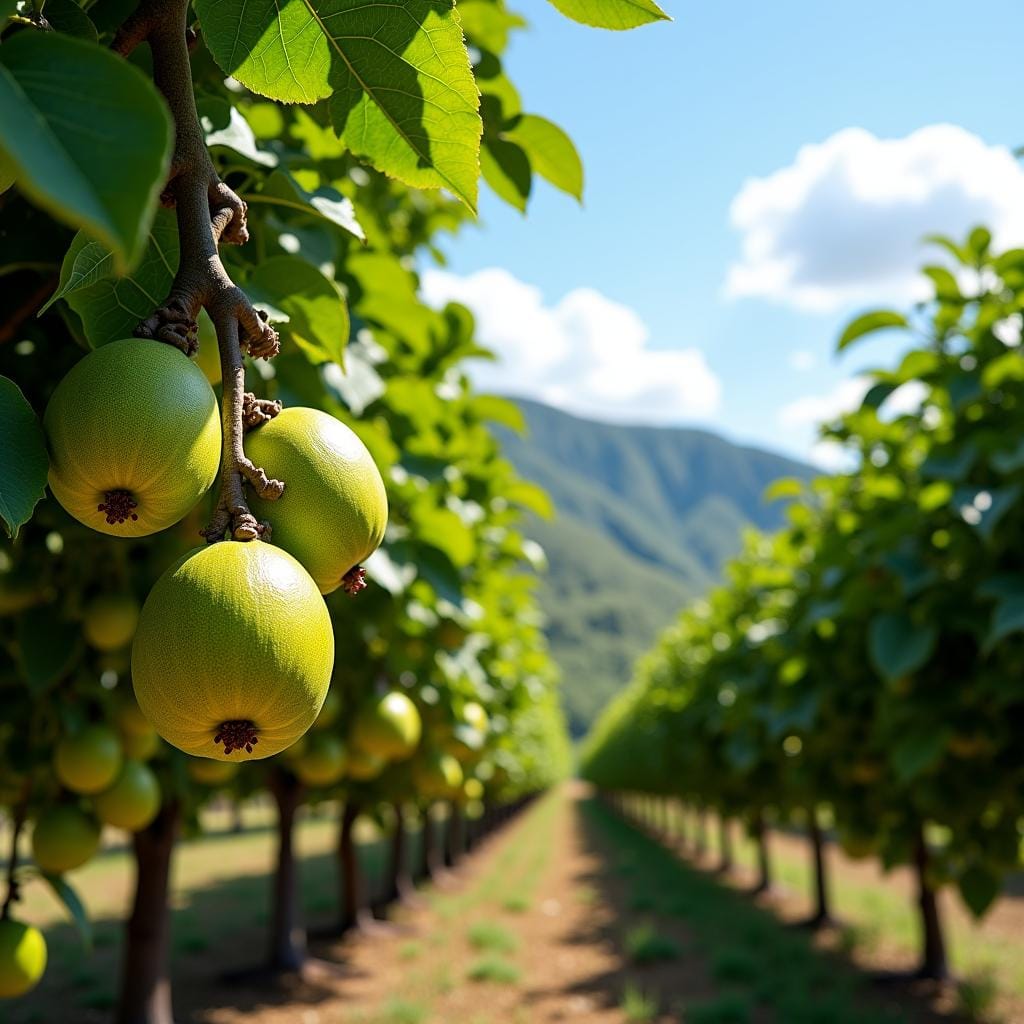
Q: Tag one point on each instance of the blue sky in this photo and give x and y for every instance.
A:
(673, 120)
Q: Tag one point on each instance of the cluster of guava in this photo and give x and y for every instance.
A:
(234, 650)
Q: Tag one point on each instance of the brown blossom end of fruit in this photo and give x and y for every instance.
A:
(354, 581)
(236, 734)
(118, 507)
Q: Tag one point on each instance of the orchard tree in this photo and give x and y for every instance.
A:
(190, 192)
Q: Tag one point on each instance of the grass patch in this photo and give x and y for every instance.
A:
(487, 936)
(976, 995)
(402, 1011)
(644, 945)
(637, 1007)
(516, 904)
(409, 951)
(495, 969)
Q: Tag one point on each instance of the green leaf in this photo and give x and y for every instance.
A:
(87, 134)
(506, 168)
(23, 459)
(917, 752)
(1008, 618)
(867, 323)
(613, 14)
(552, 153)
(317, 315)
(328, 204)
(531, 496)
(487, 24)
(785, 487)
(238, 136)
(48, 647)
(66, 16)
(111, 307)
(398, 77)
(946, 287)
(499, 410)
(71, 901)
(979, 888)
(897, 646)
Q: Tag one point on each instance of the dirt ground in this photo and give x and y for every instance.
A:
(535, 928)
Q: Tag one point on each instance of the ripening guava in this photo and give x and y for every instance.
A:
(133, 801)
(363, 766)
(437, 776)
(388, 727)
(323, 761)
(64, 838)
(207, 358)
(473, 789)
(22, 958)
(109, 621)
(334, 509)
(88, 761)
(134, 437)
(233, 655)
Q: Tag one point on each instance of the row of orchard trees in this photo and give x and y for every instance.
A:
(865, 663)
(442, 690)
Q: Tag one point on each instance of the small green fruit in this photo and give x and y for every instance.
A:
(88, 761)
(22, 958)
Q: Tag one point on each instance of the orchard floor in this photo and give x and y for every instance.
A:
(567, 914)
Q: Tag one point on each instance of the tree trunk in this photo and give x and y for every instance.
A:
(934, 963)
(764, 863)
(287, 935)
(145, 981)
(454, 841)
(399, 886)
(725, 845)
(354, 911)
(822, 914)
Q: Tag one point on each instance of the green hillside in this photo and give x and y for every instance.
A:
(646, 518)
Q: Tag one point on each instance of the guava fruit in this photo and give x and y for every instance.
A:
(363, 766)
(330, 710)
(133, 431)
(323, 762)
(133, 801)
(233, 655)
(109, 621)
(388, 727)
(334, 509)
(88, 761)
(211, 773)
(64, 838)
(22, 958)
(437, 776)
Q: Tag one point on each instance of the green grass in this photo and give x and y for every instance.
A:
(637, 1007)
(402, 1011)
(644, 945)
(487, 936)
(516, 904)
(409, 950)
(494, 969)
(752, 958)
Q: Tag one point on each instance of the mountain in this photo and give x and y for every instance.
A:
(646, 517)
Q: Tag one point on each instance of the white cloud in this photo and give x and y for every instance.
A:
(802, 359)
(845, 221)
(813, 410)
(586, 353)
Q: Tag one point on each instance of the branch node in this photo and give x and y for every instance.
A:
(256, 411)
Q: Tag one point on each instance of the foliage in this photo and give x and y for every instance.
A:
(868, 656)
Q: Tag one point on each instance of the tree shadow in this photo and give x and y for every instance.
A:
(701, 950)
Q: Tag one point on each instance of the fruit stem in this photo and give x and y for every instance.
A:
(208, 213)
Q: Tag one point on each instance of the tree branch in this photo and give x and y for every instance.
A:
(209, 213)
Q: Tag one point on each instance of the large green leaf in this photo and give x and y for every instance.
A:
(552, 153)
(613, 14)
(328, 204)
(506, 168)
(979, 888)
(401, 88)
(87, 134)
(317, 315)
(898, 646)
(110, 307)
(23, 460)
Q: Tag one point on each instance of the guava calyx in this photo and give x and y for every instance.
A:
(119, 506)
(237, 734)
(354, 580)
